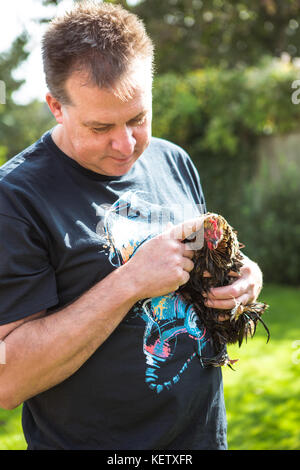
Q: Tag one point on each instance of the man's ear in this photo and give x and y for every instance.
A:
(55, 108)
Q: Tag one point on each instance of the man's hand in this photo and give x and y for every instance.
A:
(244, 290)
(163, 263)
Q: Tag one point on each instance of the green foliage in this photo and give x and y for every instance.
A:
(9, 61)
(191, 34)
(218, 117)
(20, 125)
(11, 434)
(272, 225)
(225, 105)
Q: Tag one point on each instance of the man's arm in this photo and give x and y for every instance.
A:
(46, 350)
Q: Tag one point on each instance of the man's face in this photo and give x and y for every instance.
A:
(99, 130)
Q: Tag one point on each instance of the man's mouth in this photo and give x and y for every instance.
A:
(122, 160)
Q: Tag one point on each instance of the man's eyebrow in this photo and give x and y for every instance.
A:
(106, 124)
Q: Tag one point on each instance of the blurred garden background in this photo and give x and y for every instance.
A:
(227, 89)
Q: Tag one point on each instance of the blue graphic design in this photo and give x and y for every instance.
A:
(127, 224)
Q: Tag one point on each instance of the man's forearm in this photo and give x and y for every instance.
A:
(43, 352)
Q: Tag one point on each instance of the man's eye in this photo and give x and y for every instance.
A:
(139, 122)
(99, 129)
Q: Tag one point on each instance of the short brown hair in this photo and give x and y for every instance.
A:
(100, 39)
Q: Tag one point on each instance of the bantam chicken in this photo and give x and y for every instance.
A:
(220, 256)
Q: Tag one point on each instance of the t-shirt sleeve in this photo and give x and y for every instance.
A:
(27, 279)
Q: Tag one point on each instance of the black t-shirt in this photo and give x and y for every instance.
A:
(62, 229)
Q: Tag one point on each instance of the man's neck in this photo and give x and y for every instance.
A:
(58, 138)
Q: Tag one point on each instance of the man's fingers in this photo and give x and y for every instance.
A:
(233, 274)
(234, 290)
(187, 253)
(226, 304)
(185, 278)
(188, 264)
(184, 229)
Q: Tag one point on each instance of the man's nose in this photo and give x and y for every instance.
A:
(123, 141)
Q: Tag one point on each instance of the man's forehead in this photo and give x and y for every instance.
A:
(138, 80)
(91, 96)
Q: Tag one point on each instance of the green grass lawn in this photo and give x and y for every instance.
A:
(262, 394)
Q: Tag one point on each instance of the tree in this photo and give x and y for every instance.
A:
(191, 34)
(8, 62)
(20, 125)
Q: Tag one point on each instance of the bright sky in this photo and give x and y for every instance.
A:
(16, 16)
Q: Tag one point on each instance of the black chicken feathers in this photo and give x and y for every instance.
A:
(219, 256)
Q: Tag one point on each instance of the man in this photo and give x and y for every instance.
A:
(99, 345)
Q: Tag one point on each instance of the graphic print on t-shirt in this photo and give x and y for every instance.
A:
(126, 225)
